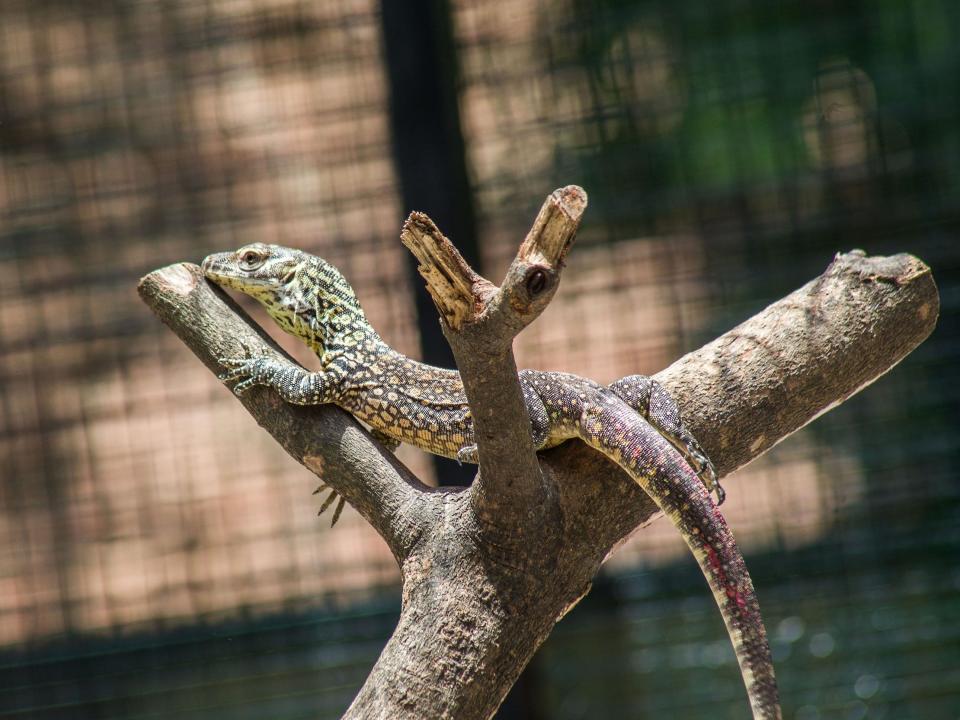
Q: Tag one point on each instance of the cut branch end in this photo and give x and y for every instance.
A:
(556, 225)
(455, 288)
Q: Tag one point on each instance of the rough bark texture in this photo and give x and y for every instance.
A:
(479, 598)
(480, 321)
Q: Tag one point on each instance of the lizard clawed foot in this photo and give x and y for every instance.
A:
(703, 467)
(249, 369)
(329, 500)
(468, 454)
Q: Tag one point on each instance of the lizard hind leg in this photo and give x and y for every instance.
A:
(468, 454)
(536, 410)
(657, 407)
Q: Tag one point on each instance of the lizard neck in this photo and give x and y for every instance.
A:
(334, 334)
(320, 307)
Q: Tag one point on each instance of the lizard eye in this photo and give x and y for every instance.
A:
(251, 259)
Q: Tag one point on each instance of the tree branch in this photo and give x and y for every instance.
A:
(473, 615)
(771, 375)
(473, 612)
(480, 321)
(804, 355)
(325, 439)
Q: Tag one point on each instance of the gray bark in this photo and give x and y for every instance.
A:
(479, 596)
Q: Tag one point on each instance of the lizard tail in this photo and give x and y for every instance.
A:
(612, 428)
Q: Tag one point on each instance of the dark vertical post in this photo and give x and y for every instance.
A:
(430, 157)
(429, 151)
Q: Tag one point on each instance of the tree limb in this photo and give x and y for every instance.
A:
(804, 355)
(473, 614)
(768, 377)
(480, 321)
(471, 621)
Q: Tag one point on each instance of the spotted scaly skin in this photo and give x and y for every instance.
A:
(407, 401)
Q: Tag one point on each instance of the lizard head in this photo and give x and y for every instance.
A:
(304, 294)
(259, 270)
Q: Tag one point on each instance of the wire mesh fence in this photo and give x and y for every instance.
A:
(162, 557)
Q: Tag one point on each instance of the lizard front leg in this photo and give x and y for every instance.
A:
(652, 401)
(293, 383)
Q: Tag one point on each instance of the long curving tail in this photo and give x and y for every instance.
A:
(611, 427)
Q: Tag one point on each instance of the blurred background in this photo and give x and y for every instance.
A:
(160, 556)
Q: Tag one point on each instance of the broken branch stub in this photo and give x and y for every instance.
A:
(463, 296)
(480, 321)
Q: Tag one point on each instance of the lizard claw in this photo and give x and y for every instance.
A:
(468, 454)
(246, 370)
(707, 473)
(721, 493)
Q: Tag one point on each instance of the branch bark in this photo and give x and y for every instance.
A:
(763, 380)
(473, 611)
(480, 321)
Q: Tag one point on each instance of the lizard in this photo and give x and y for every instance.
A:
(404, 400)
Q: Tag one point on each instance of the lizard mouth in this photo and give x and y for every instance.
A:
(211, 265)
(224, 270)
(221, 268)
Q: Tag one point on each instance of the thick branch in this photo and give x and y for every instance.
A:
(804, 355)
(473, 615)
(323, 438)
(768, 377)
(480, 322)
(470, 625)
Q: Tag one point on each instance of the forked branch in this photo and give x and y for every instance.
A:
(476, 608)
(480, 320)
